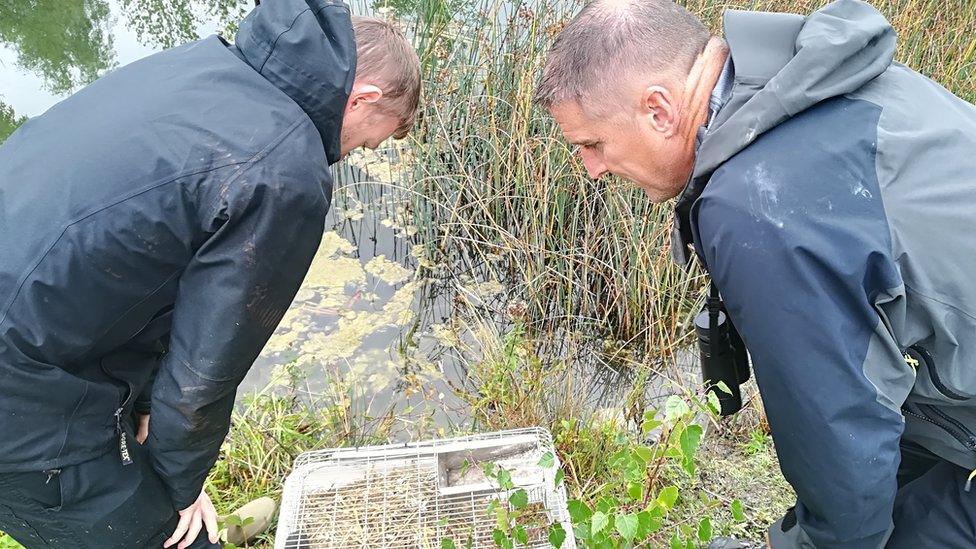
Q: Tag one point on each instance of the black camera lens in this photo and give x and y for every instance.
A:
(719, 360)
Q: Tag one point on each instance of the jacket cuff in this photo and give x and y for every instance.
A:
(785, 533)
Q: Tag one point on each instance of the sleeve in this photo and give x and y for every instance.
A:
(806, 280)
(266, 225)
(143, 402)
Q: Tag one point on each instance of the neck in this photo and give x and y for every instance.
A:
(699, 85)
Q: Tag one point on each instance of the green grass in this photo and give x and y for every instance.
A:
(514, 389)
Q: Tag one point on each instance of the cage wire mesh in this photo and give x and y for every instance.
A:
(418, 494)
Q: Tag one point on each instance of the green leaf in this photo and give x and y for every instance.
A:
(501, 540)
(557, 535)
(689, 440)
(714, 404)
(721, 386)
(704, 530)
(635, 490)
(676, 542)
(667, 496)
(489, 469)
(505, 478)
(737, 513)
(675, 407)
(650, 422)
(600, 521)
(232, 520)
(644, 453)
(559, 477)
(627, 526)
(582, 531)
(520, 535)
(448, 543)
(620, 459)
(547, 460)
(579, 512)
(518, 499)
(607, 504)
(635, 472)
(647, 524)
(501, 518)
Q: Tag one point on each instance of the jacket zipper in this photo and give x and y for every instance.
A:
(119, 429)
(123, 444)
(954, 422)
(934, 374)
(960, 433)
(964, 435)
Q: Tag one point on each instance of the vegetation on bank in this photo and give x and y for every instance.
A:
(679, 471)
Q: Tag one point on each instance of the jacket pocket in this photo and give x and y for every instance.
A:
(924, 358)
(932, 414)
(120, 419)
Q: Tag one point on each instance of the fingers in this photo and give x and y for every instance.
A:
(193, 531)
(185, 517)
(143, 432)
(210, 520)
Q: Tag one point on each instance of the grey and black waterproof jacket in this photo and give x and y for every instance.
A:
(833, 202)
(163, 218)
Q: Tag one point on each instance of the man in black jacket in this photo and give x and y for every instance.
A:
(157, 224)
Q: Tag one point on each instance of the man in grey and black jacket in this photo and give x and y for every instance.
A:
(831, 194)
(158, 223)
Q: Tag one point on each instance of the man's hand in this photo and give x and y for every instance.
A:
(192, 518)
(142, 429)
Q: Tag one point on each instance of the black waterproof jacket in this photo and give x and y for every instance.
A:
(161, 220)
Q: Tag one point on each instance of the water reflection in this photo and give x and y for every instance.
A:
(168, 23)
(66, 43)
(355, 324)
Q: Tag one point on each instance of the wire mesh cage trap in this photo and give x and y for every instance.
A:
(419, 494)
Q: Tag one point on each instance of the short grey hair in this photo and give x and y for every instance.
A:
(611, 39)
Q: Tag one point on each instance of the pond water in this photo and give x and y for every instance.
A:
(365, 323)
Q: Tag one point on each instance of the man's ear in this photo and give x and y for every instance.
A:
(658, 106)
(363, 94)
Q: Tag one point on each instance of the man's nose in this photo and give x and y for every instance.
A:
(594, 166)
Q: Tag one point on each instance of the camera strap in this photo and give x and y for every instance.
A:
(714, 305)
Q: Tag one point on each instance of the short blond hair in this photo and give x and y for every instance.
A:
(386, 58)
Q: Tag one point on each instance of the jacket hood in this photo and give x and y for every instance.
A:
(785, 64)
(307, 49)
